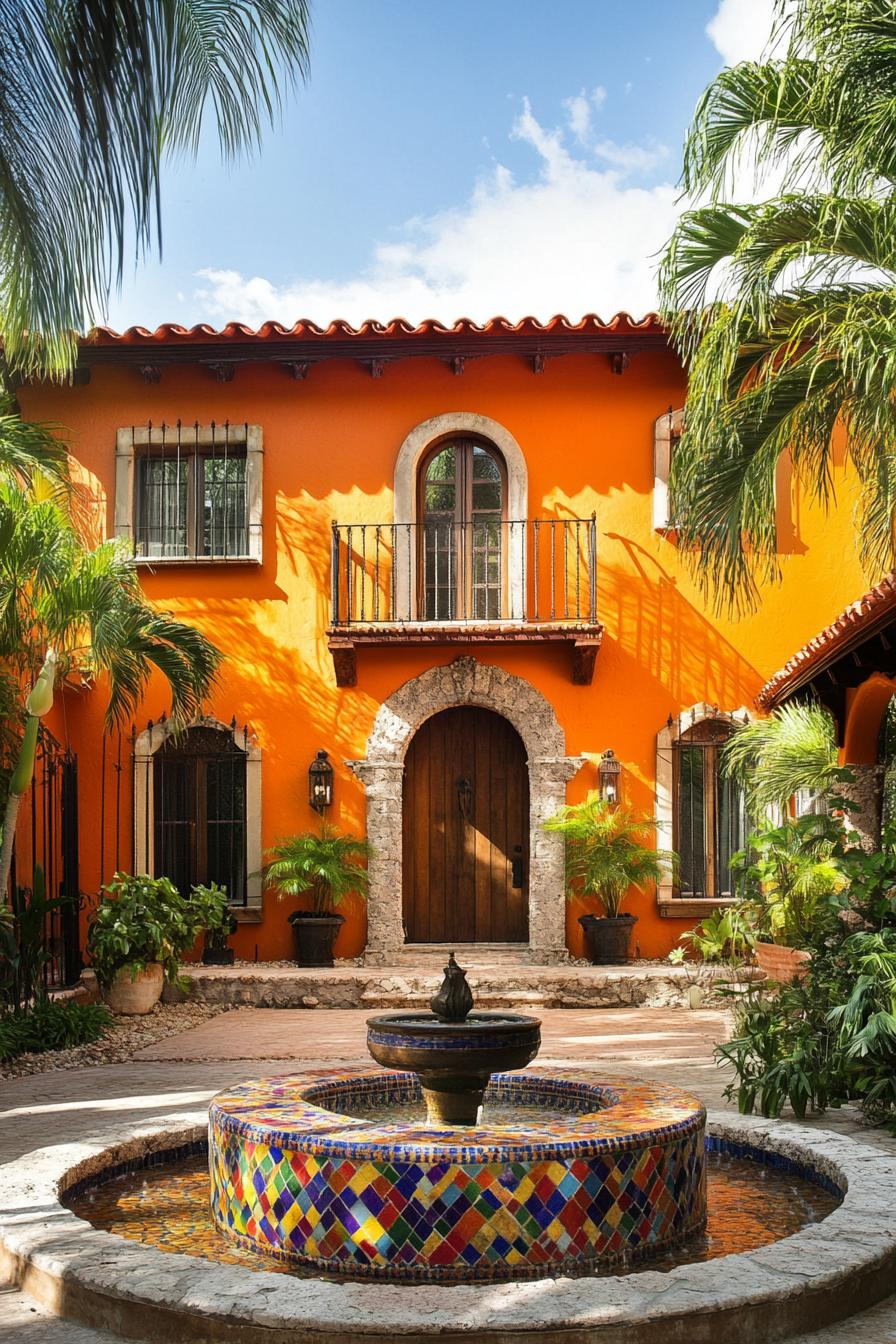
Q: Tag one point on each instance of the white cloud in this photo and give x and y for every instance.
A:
(576, 236)
(740, 29)
(580, 109)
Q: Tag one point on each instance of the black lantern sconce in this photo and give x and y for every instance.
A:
(609, 772)
(320, 783)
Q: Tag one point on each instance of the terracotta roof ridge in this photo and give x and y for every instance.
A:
(822, 648)
(395, 326)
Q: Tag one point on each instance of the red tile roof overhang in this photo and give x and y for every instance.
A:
(859, 623)
(374, 344)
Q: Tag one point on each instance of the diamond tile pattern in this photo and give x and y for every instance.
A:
(435, 1208)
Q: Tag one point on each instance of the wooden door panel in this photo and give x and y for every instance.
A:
(466, 809)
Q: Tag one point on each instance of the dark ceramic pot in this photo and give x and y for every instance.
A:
(607, 940)
(217, 956)
(314, 936)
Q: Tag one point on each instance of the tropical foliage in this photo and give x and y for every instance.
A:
(84, 608)
(87, 604)
(785, 310)
(791, 876)
(792, 750)
(606, 850)
(211, 911)
(326, 863)
(92, 96)
(725, 937)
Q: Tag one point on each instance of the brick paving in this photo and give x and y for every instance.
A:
(672, 1045)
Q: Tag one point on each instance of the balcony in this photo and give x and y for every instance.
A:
(482, 581)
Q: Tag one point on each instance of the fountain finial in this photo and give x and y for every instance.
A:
(454, 998)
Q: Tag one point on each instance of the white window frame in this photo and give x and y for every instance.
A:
(147, 744)
(670, 905)
(128, 444)
(459, 424)
(666, 429)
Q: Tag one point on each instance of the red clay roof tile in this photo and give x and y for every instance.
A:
(858, 621)
(172, 332)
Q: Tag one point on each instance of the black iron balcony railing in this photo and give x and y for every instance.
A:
(540, 571)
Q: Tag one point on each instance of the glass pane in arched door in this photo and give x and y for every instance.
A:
(462, 561)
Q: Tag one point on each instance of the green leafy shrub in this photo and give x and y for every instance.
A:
(871, 881)
(139, 920)
(54, 1024)
(726, 937)
(211, 910)
(606, 850)
(866, 1021)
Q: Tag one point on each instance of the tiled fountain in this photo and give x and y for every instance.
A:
(350, 1175)
(386, 1205)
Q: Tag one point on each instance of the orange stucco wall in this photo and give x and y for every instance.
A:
(330, 444)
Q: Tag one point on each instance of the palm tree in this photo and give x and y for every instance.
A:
(93, 95)
(77, 612)
(606, 850)
(773, 759)
(785, 311)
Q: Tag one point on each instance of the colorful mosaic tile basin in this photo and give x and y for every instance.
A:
(614, 1173)
(753, 1199)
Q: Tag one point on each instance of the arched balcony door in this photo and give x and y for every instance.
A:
(462, 561)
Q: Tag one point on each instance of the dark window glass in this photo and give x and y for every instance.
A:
(199, 812)
(192, 504)
(461, 547)
(710, 817)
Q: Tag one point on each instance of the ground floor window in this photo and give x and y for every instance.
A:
(709, 817)
(197, 808)
(199, 811)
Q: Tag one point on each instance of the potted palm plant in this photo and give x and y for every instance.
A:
(606, 855)
(326, 866)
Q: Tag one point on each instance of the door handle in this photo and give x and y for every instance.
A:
(516, 868)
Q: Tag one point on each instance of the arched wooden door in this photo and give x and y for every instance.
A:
(466, 831)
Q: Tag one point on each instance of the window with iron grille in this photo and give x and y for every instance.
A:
(709, 816)
(190, 492)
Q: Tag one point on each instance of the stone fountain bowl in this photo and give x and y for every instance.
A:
(453, 1060)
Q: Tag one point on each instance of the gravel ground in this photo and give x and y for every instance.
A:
(126, 1037)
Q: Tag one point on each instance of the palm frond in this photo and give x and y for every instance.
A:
(785, 311)
(87, 603)
(774, 758)
(91, 96)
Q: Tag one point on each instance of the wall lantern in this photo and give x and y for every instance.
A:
(608, 773)
(320, 782)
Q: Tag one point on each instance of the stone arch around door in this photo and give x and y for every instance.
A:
(465, 682)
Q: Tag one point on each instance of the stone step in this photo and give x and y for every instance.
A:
(524, 988)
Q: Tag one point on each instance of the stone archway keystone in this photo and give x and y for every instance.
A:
(465, 682)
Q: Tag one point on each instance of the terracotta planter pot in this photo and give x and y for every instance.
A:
(135, 997)
(782, 964)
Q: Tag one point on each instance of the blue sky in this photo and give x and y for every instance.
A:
(446, 160)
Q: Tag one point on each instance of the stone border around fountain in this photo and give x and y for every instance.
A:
(824, 1273)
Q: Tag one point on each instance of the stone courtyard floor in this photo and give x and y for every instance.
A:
(186, 1069)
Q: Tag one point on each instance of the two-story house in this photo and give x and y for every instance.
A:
(443, 557)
